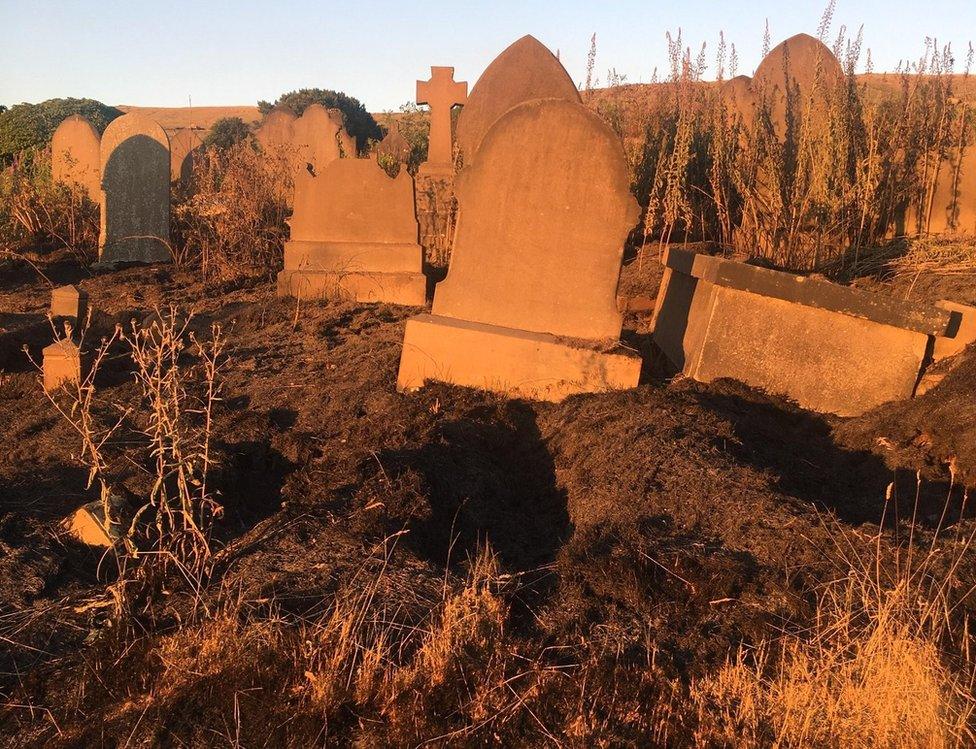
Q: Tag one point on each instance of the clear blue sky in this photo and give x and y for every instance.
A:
(160, 53)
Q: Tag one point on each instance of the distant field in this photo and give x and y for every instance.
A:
(174, 118)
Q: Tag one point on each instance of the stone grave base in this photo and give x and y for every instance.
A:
(408, 289)
(828, 347)
(63, 363)
(516, 362)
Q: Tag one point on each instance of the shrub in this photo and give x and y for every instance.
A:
(226, 132)
(25, 126)
(359, 123)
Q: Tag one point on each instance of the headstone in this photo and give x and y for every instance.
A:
(314, 141)
(277, 130)
(954, 202)
(441, 93)
(828, 347)
(394, 147)
(354, 236)
(75, 155)
(346, 141)
(69, 301)
(135, 192)
(526, 70)
(62, 363)
(184, 146)
(800, 72)
(529, 303)
(739, 100)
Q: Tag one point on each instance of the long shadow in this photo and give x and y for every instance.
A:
(489, 478)
(798, 449)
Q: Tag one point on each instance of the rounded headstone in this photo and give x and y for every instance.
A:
(135, 192)
(544, 213)
(524, 71)
(184, 145)
(277, 129)
(75, 155)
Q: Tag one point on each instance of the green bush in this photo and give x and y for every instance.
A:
(26, 126)
(359, 123)
(227, 132)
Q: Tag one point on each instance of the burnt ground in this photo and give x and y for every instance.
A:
(697, 517)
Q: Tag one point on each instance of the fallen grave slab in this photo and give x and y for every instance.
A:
(828, 347)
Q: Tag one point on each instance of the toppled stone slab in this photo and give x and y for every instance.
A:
(962, 328)
(89, 525)
(830, 348)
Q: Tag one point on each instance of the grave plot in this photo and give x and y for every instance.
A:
(828, 347)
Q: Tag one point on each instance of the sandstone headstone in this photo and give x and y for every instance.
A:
(314, 141)
(954, 202)
(346, 141)
(354, 235)
(75, 155)
(69, 301)
(135, 192)
(394, 146)
(184, 146)
(830, 348)
(800, 72)
(526, 70)
(529, 303)
(739, 100)
(441, 93)
(277, 130)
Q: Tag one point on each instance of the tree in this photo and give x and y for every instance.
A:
(359, 123)
(24, 126)
(226, 132)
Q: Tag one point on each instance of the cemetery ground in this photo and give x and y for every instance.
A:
(677, 564)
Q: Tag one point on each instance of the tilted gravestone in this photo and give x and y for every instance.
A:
(354, 236)
(529, 303)
(524, 71)
(441, 93)
(185, 145)
(135, 192)
(75, 155)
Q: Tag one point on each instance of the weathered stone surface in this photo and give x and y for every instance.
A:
(739, 100)
(954, 202)
(346, 142)
(441, 93)
(354, 234)
(315, 141)
(394, 146)
(184, 146)
(526, 70)
(963, 329)
(801, 69)
(135, 192)
(277, 130)
(75, 155)
(62, 364)
(69, 301)
(833, 349)
(544, 213)
(89, 526)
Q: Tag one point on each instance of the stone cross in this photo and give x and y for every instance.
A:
(441, 93)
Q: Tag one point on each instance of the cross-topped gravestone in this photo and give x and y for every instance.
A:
(441, 93)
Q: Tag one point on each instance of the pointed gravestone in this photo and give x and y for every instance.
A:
(135, 192)
(75, 155)
(524, 71)
(441, 93)
(394, 147)
(354, 236)
(69, 302)
(185, 145)
(529, 304)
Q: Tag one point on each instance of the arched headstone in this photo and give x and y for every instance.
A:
(314, 141)
(526, 70)
(184, 146)
(529, 303)
(739, 100)
(135, 192)
(75, 155)
(277, 129)
(354, 235)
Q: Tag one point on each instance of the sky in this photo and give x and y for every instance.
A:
(235, 53)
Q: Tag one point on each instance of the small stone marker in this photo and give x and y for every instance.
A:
(135, 192)
(88, 525)
(526, 70)
(830, 348)
(354, 235)
(184, 146)
(75, 155)
(70, 301)
(528, 307)
(62, 364)
(441, 93)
